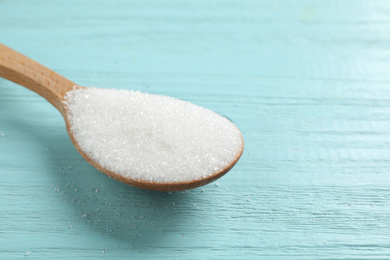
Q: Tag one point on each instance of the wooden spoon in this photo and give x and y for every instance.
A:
(53, 87)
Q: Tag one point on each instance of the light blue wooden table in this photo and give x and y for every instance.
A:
(307, 82)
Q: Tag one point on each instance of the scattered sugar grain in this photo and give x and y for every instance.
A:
(151, 137)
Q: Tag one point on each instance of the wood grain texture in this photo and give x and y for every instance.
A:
(28, 73)
(306, 82)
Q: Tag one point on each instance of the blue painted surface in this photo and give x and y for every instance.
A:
(306, 82)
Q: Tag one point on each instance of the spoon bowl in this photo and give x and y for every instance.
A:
(54, 88)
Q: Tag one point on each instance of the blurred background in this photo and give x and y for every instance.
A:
(307, 83)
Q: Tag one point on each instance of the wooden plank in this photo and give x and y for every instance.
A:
(306, 82)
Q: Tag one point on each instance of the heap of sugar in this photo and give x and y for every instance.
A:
(151, 137)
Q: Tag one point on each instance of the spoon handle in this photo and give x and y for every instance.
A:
(34, 76)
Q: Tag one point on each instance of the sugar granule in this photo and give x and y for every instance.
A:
(151, 137)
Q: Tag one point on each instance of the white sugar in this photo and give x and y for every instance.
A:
(151, 137)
